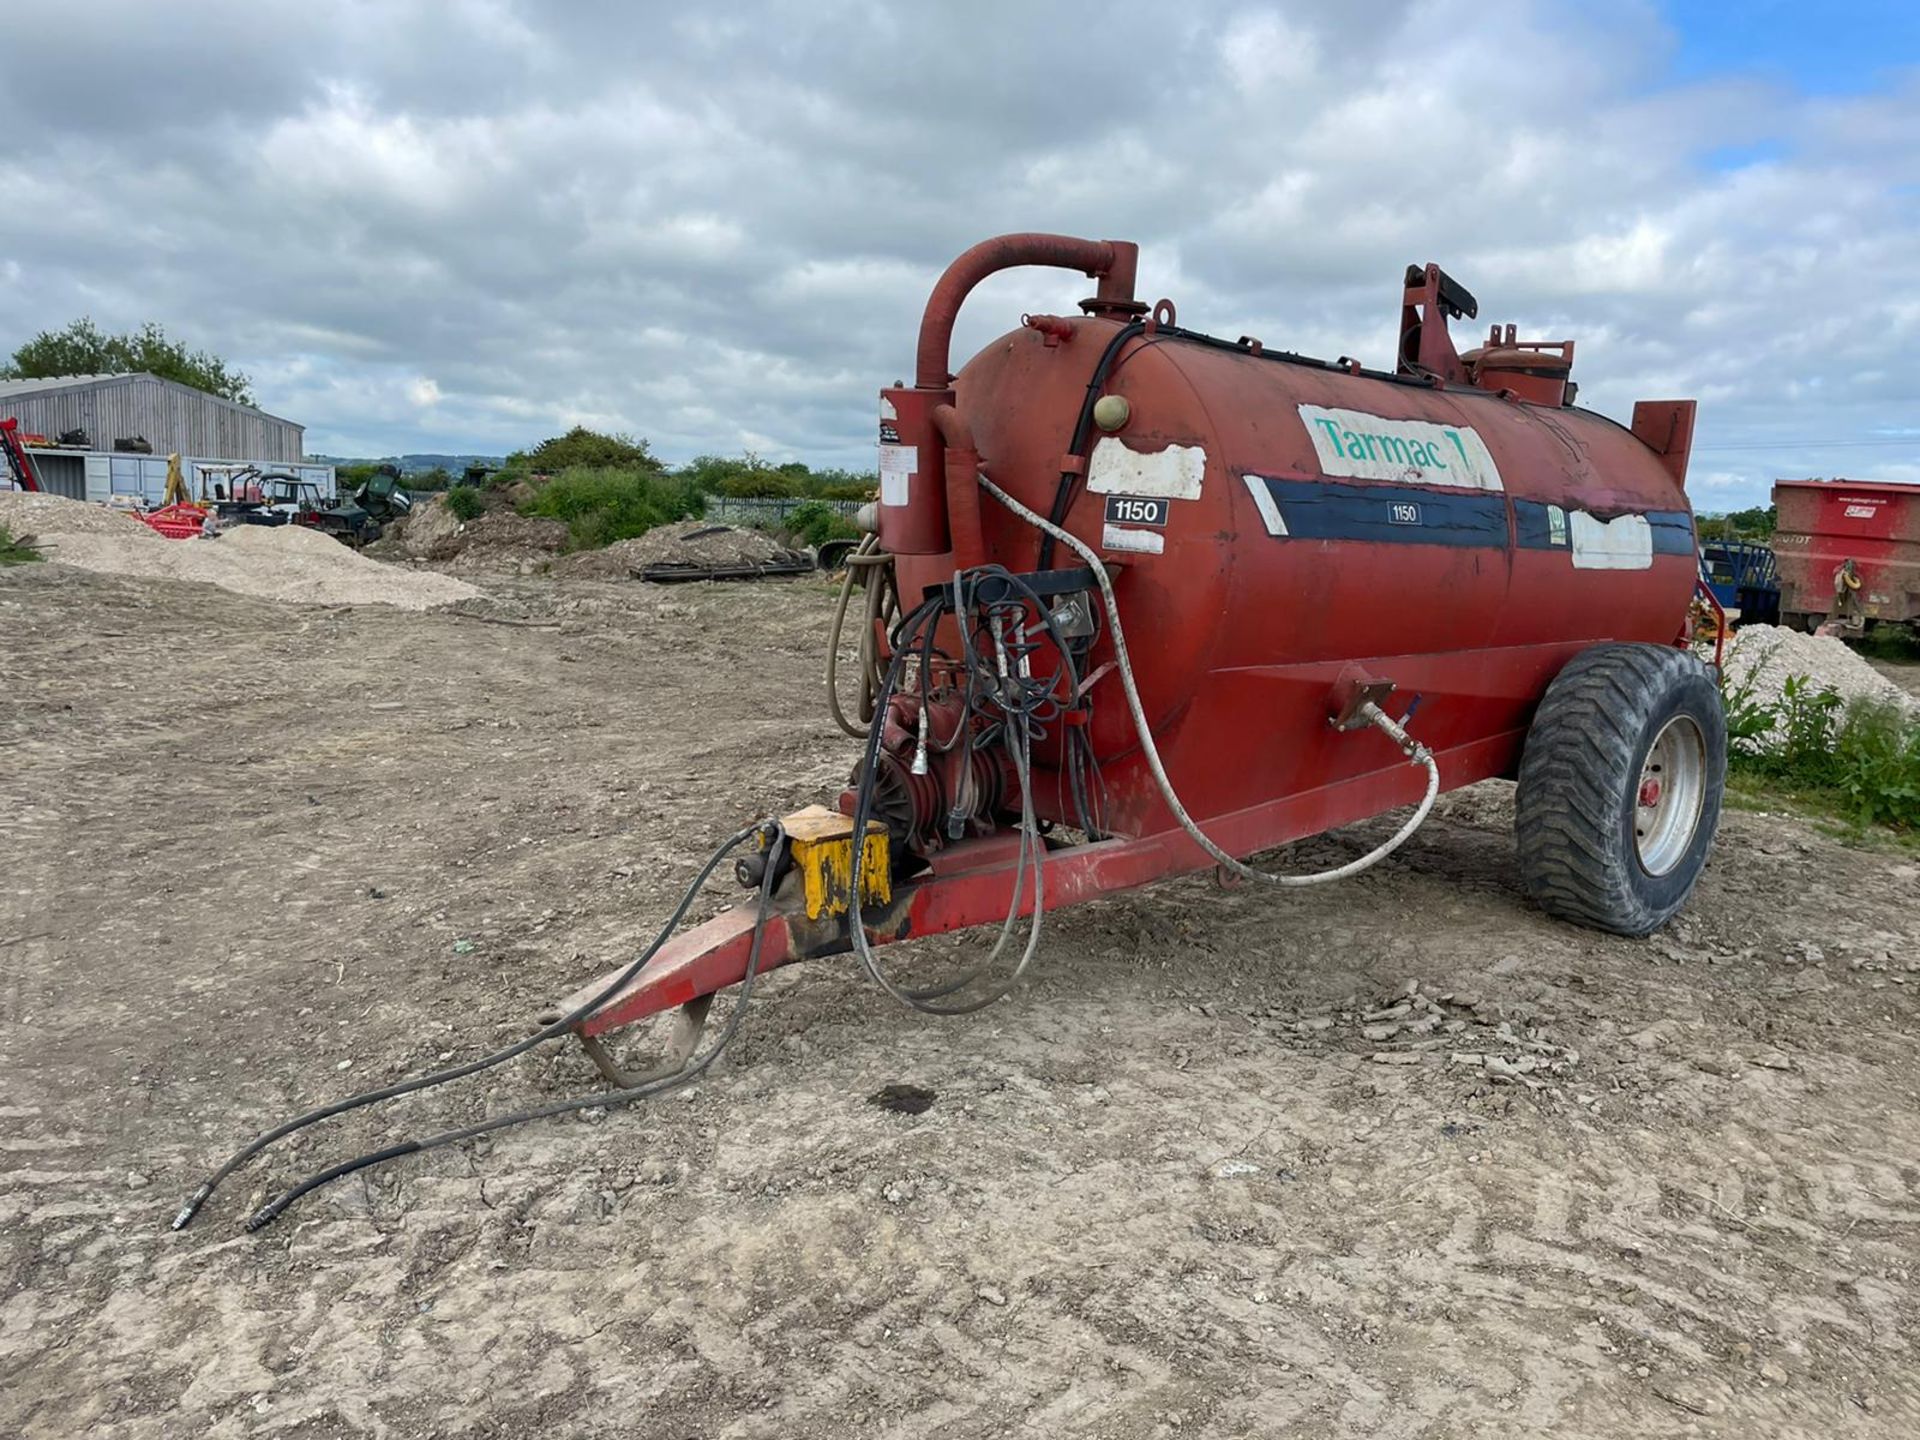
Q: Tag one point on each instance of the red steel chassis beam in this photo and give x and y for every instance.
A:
(972, 884)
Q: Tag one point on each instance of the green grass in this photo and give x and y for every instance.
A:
(601, 505)
(1858, 762)
(13, 552)
(1890, 642)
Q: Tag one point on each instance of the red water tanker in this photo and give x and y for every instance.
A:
(1848, 553)
(1175, 599)
(1144, 600)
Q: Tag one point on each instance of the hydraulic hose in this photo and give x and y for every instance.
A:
(1415, 752)
(272, 1210)
(871, 558)
(471, 1067)
(1031, 855)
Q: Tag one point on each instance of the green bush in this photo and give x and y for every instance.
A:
(465, 503)
(759, 485)
(602, 505)
(1863, 759)
(581, 447)
(750, 478)
(815, 523)
(13, 552)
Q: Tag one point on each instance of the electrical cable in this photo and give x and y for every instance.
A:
(271, 1211)
(470, 1067)
(1415, 752)
(1083, 427)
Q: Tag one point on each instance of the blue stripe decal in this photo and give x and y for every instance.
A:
(1538, 527)
(1394, 514)
(1403, 515)
(1672, 532)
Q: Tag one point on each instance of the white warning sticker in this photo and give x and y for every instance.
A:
(1140, 542)
(897, 465)
(1407, 452)
(1622, 543)
(1174, 473)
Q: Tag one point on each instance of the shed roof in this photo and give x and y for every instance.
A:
(52, 384)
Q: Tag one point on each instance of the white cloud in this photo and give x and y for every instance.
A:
(718, 230)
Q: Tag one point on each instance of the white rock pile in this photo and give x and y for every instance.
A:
(1760, 658)
(285, 562)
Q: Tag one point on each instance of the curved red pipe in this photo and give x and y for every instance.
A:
(1111, 262)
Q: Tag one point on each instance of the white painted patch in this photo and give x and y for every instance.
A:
(897, 465)
(887, 412)
(1142, 542)
(1407, 452)
(1174, 472)
(1622, 543)
(1263, 502)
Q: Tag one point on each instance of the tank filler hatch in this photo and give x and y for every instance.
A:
(1536, 371)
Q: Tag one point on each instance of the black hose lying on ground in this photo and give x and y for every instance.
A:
(271, 1211)
(471, 1067)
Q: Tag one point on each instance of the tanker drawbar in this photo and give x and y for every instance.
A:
(1137, 600)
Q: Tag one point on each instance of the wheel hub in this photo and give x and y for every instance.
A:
(1671, 793)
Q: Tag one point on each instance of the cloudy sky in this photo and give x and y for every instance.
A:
(467, 225)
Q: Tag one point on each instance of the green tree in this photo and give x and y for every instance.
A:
(583, 447)
(83, 348)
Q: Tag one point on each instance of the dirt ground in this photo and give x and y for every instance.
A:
(254, 856)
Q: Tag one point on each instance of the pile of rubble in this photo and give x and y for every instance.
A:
(269, 562)
(691, 549)
(1408, 1027)
(501, 540)
(28, 515)
(1761, 658)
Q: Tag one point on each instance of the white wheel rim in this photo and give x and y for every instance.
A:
(1667, 801)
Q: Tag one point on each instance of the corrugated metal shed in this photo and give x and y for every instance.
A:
(172, 417)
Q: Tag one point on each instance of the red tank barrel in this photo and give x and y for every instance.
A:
(1459, 529)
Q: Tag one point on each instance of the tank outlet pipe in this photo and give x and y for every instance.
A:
(1112, 263)
(915, 489)
(1416, 753)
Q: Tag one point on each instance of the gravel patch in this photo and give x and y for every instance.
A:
(1762, 657)
(285, 562)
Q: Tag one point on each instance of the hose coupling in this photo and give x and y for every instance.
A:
(1394, 731)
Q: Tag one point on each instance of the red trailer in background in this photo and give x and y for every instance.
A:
(1848, 553)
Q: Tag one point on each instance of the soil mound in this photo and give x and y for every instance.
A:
(271, 562)
(696, 547)
(44, 515)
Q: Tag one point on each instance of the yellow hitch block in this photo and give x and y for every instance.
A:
(821, 844)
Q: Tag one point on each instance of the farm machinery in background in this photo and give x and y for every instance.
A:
(1143, 601)
(244, 495)
(20, 471)
(1849, 555)
(1742, 576)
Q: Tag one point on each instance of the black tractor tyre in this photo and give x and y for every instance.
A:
(1620, 787)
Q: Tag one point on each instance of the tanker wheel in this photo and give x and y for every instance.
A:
(1620, 787)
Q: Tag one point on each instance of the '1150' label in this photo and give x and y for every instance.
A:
(1135, 510)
